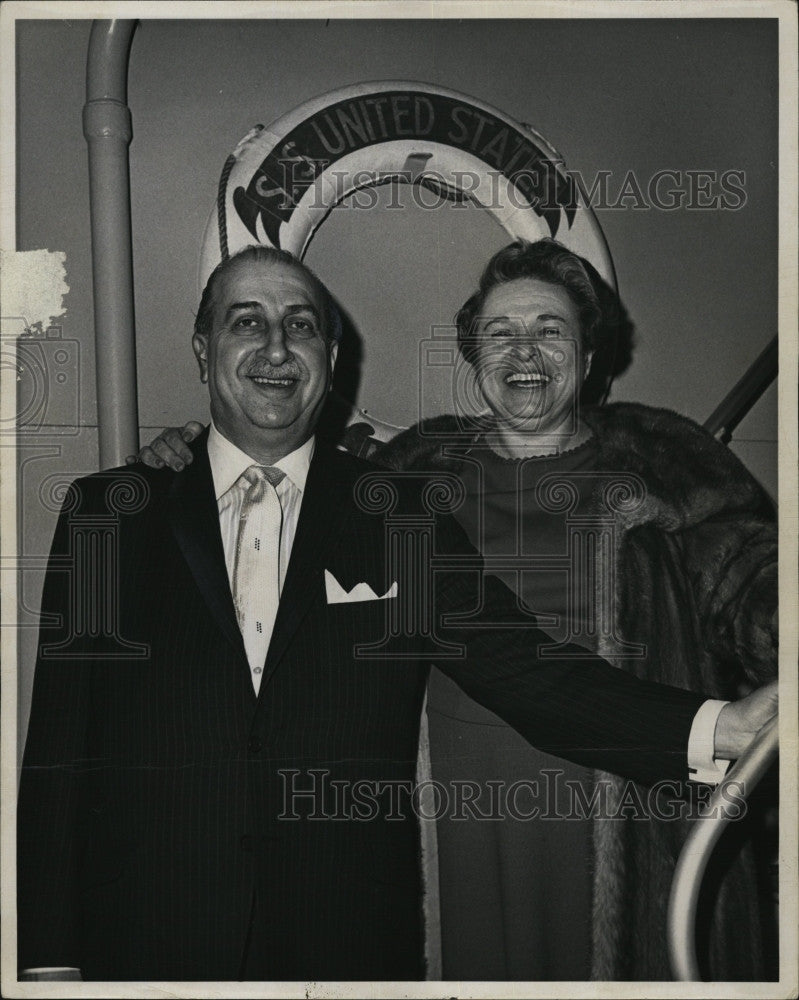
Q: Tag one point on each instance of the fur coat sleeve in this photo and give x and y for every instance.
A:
(721, 519)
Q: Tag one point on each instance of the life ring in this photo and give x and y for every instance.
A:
(281, 181)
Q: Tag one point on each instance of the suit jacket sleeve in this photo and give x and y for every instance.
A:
(579, 707)
(55, 753)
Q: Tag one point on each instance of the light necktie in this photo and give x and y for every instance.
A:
(256, 589)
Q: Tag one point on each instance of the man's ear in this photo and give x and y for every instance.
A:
(588, 357)
(333, 354)
(199, 345)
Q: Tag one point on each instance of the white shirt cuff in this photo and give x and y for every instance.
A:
(702, 765)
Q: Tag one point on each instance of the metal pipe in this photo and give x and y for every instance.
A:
(744, 394)
(698, 847)
(107, 128)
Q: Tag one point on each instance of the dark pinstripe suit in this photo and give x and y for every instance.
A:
(151, 788)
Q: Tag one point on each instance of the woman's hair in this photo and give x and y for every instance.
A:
(547, 260)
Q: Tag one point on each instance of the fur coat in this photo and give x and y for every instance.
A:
(696, 581)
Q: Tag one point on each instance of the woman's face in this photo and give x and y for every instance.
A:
(529, 360)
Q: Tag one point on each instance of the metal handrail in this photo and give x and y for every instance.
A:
(744, 394)
(698, 847)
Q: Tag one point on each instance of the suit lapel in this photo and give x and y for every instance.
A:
(194, 518)
(325, 507)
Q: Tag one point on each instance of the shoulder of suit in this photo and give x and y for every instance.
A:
(125, 489)
(138, 472)
(345, 463)
(420, 445)
(395, 490)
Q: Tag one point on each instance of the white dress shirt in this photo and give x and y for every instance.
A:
(228, 462)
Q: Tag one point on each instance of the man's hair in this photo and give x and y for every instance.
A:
(203, 321)
(547, 260)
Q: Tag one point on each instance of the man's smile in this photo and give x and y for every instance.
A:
(274, 382)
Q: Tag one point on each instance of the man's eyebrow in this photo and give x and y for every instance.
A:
(297, 307)
(236, 306)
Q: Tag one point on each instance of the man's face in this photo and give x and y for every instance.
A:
(529, 362)
(267, 360)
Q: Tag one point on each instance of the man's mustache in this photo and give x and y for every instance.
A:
(284, 371)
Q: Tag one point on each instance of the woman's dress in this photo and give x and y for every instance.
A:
(522, 910)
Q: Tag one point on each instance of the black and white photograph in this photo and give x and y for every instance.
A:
(399, 499)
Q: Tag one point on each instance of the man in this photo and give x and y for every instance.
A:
(208, 785)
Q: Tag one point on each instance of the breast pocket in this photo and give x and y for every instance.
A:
(347, 586)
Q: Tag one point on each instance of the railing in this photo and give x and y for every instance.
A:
(748, 771)
(744, 394)
(696, 852)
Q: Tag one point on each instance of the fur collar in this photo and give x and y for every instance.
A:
(687, 474)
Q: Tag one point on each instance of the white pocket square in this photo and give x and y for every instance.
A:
(336, 594)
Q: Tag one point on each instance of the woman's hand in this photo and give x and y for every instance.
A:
(169, 448)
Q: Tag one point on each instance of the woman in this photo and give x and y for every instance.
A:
(635, 533)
